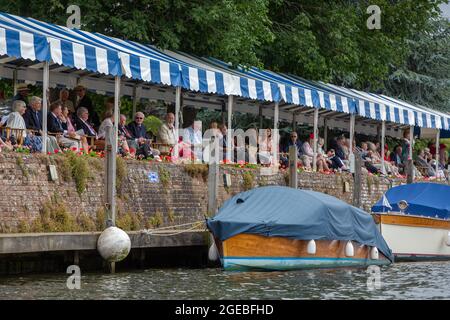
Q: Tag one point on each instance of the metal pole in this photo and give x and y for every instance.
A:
(177, 119)
(383, 138)
(351, 156)
(352, 133)
(15, 81)
(315, 133)
(112, 156)
(438, 134)
(325, 134)
(109, 176)
(116, 113)
(261, 118)
(213, 178)
(294, 122)
(230, 125)
(411, 173)
(411, 142)
(275, 137)
(46, 76)
(293, 176)
(135, 100)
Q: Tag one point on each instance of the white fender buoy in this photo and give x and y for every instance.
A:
(448, 239)
(311, 248)
(374, 255)
(349, 250)
(114, 244)
(213, 252)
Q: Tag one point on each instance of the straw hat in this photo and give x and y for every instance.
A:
(22, 87)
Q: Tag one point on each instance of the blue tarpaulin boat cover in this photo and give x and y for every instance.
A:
(424, 199)
(296, 214)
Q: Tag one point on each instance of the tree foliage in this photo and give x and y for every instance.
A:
(324, 40)
(424, 78)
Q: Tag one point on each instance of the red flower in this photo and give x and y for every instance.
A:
(56, 151)
(49, 153)
(74, 148)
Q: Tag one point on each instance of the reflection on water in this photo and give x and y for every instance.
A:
(399, 281)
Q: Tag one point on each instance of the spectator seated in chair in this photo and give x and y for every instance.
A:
(54, 125)
(140, 139)
(67, 125)
(166, 134)
(108, 121)
(33, 121)
(18, 133)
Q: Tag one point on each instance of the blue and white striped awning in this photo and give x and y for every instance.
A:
(204, 79)
(27, 42)
(295, 93)
(21, 44)
(31, 39)
(383, 108)
(80, 49)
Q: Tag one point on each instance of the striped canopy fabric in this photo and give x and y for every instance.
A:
(295, 93)
(27, 42)
(35, 40)
(203, 78)
(21, 44)
(99, 53)
(383, 108)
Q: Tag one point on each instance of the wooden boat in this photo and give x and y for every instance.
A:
(255, 252)
(279, 228)
(414, 220)
(414, 238)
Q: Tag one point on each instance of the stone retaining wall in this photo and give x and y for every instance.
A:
(180, 196)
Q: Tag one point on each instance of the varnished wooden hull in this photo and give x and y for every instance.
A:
(255, 252)
(415, 238)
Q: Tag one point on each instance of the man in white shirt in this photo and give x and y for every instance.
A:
(192, 138)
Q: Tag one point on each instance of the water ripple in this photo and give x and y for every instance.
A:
(399, 281)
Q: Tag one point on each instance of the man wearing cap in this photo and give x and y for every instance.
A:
(85, 102)
(22, 93)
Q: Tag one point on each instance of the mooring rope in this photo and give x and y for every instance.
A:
(155, 232)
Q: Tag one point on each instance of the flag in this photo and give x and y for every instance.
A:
(386, 203)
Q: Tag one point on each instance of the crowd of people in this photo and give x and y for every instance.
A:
(395, 161)
(78, 127)
(69, 126)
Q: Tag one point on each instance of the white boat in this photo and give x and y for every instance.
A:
(415, 221)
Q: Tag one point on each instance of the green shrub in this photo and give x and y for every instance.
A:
(197, 170)
(248, 180)
(164, 177)
(152, 124)
(121, 173)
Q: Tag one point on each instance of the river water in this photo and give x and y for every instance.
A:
(399, 281)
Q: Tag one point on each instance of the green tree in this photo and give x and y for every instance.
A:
(324, 40)
(330, 41)
(424, 78)
(227, 29)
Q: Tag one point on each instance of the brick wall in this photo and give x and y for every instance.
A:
(179, 197)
